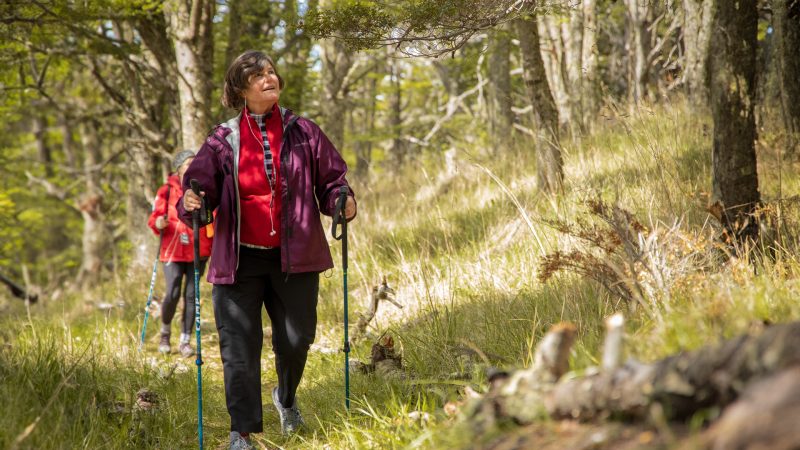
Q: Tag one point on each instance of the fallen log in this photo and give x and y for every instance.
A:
(679, 385)
(764, 417)
(682, 384)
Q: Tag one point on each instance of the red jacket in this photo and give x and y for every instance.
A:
(174, 247)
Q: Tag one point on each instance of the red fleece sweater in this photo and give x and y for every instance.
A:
(255, 193)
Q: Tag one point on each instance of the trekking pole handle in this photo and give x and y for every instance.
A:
(339, 213)
(195, 186)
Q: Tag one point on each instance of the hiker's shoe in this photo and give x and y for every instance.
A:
(186, 350)
(291, 419)
(163, 345)
(239, 442)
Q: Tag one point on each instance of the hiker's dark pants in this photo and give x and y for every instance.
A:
(291, 304)
(177, 273)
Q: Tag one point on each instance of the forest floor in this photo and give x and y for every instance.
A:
(461, 243)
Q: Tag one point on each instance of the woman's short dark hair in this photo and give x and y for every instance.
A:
(237, 78)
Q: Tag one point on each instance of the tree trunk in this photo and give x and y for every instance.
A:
(637, 12)
(732, 66)
(549, 170)
(787, 38)
(501, 117)
(39, 129)
(696, 39)
(67, 143)
(398, 150)
(572, 36)
(234, 31)
(552, 55)
(95, 237)
(590, 93)
(295, 57)
(190, 26)
(336, 64)
(363, 146)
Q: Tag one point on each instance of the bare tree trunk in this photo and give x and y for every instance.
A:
(234, 31)
(336, 64)
(732, 66)
(572, 36)
(95, 237)
(398, 149)
(449, 81)
(190, 26)
(590, 93)
(549, 171)
(67, 142)
(696, 39)
(552, 55)
(296, 56)
(787, 36)
(39, 129)
(363, 146)
(637, 11)
(501, 117)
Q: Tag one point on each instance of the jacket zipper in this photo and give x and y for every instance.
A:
(285, 156)
(234, 163)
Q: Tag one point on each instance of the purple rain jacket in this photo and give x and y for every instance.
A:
(312, 171)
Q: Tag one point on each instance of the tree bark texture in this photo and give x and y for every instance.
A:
(787, 37)
(549, 170)
(696, 39)
(732, 66)
(501, 117)
(190, 26)
(552, 56)
(590, 86)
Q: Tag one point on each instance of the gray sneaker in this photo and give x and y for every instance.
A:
(186, 350)
(239, 442)
(291, 419)
(163, 345)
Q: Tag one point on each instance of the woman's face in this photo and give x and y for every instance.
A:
(263, 91)
(182, 169)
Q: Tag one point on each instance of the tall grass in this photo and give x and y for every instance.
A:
(462, 249)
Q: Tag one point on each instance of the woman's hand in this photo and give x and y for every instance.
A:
(192, 201)
(161, 223)
(349, 208)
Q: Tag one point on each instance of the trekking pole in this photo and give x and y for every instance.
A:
(199, 361)
(339, 216)
(153, 277)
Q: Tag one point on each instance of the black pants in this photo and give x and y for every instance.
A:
(291, 304)
(177, 273)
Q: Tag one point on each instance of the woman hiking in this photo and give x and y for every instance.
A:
(177, 245)
(268, 174)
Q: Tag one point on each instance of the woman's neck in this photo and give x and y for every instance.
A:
(259, 109)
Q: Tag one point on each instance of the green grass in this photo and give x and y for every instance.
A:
(464, 264)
